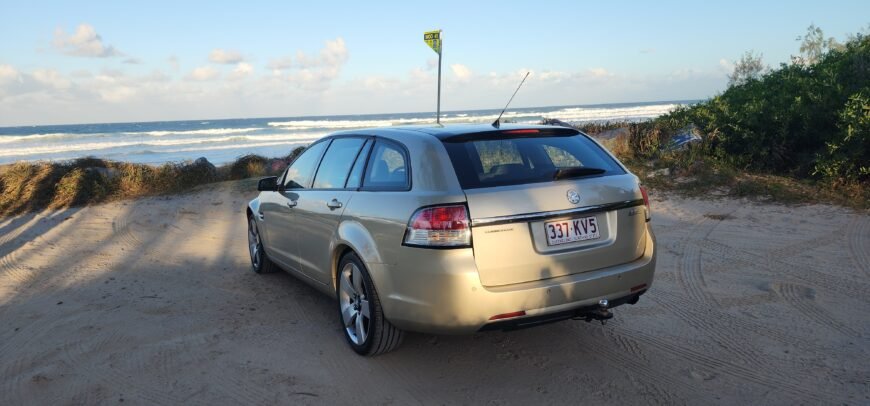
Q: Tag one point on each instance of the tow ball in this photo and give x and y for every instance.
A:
(602, 313)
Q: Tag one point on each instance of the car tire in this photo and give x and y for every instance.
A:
(260, 262)
(362, 319)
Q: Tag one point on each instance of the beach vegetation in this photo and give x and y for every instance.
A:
(798, 132)
(32, 186)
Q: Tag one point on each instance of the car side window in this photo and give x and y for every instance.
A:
(337, 162)
(387, 167)
(355, 178)
(299, 173)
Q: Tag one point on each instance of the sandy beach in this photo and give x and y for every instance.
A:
(152, 301)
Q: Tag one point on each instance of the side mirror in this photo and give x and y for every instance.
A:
(269, 184)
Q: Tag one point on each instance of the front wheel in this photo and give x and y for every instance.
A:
(259, 261)
(366, 329)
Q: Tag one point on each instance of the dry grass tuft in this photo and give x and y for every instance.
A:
(31, 186)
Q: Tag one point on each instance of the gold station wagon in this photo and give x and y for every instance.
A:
(456, 229)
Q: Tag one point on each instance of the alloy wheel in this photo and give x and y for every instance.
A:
(254, 244)
(355, 308)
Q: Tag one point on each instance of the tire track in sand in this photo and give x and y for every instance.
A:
(691, 279)
(79, 356)
(711, 326)
(802, 299)
(12, 271)
(817, 394)
(12, 363)
(858, 236)
(123, 231)
(716, 320)
(690, 274)
(627, 356)
(169, 356)
(10, 266)
(793, 272)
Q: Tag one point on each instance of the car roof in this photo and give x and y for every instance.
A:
(465, 131)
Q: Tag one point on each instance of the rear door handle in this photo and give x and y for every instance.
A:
(334, 204)
(291, 203)
(261, 215)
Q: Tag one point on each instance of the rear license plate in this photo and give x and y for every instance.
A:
(565, 231)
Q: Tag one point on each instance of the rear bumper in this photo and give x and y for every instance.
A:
(577, 313)
(440, 292)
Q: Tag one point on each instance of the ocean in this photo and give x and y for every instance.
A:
(222, 141)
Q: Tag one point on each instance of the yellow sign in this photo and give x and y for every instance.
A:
(433, 39)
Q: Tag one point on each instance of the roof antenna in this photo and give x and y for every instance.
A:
(496, 123)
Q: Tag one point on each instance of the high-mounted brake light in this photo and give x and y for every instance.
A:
(646, 202)
(526, 131)
(439, 226)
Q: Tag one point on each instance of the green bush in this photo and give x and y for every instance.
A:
(846, 156)
(802, 120)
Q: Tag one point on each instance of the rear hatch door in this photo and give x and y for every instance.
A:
(529, 223)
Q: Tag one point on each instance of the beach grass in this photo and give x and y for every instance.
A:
(692, 171)
(32, 186)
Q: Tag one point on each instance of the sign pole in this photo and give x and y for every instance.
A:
(434, 40)
(438, 111)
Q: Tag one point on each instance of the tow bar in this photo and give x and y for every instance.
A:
(602, 313)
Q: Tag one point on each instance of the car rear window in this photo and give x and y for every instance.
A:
(500, 161)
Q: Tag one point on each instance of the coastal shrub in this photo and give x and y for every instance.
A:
(293, 155)
(79, 186)
(30, 186)
(847, 155)
(248, 166)
(802, 119)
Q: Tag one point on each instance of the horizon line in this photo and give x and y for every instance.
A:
(341, 115)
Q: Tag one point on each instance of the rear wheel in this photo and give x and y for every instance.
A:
(259, 260)
(366, 329)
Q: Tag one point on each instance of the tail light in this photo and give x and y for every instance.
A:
(508, 315)
(646, 202)
(439, 226)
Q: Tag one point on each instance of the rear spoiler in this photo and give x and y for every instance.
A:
(512, 133)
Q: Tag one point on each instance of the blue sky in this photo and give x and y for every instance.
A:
(103, 61)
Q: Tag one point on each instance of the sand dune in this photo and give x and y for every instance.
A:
(152, 302)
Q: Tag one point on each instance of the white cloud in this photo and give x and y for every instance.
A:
(173, 62)
(204, 73)
(83, 42)
(8, 73)
(553, 76)
(315, 86)
(310, 72)
(726, 65)
(332, 56)
(281, 63)
(600, 72)
(114, 87)
(225, 56)
(241, 71)
(461, 72)
(52, 78)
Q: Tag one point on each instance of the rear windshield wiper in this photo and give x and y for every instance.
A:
(577, 172)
